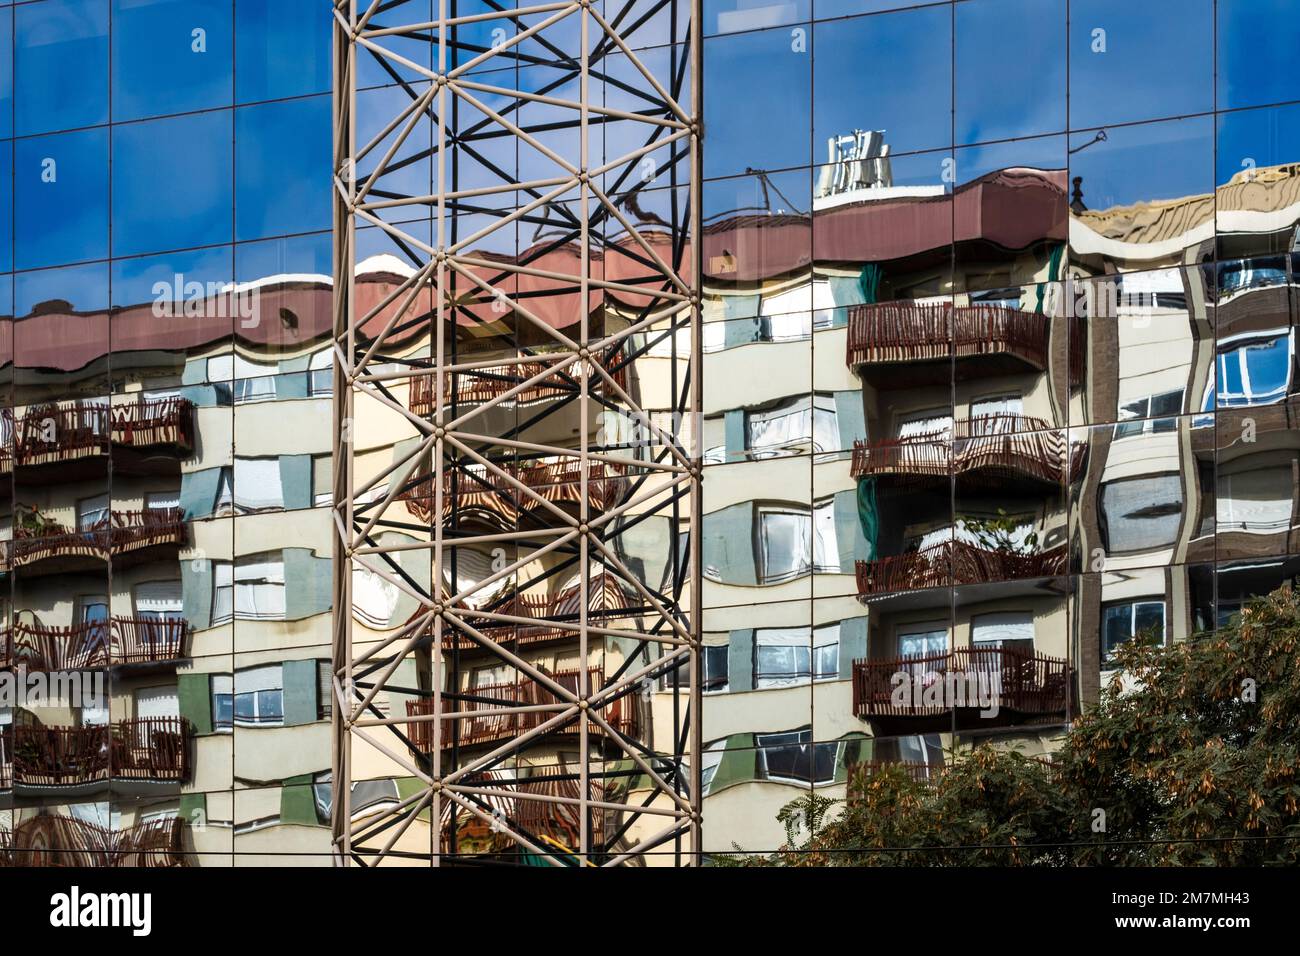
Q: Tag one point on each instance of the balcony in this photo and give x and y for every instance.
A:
(991, 448)
(61, 433)
(1027, 685)
(901, 333)
(55, 840)
(607, 607)
(94, 644)
(150, 749)
(470, 730)
(955, 562)
(556, 481)
(541, 819)
(484, 384)
(120, 533)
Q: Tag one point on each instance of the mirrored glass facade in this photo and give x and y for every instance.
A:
(997, 365)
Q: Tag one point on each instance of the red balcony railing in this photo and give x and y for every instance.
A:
(51, 433)
(621, 714)
(150, 749)
(895, 332)
(78, 647)
(1025, 684)
(53, 840)
(484, 384)
(554, 481)
(60, 756)
(606, 608)
(160, 421)
(122, 532)
(955, 562)
(54, 432)
(997, 443)
(94, 644)
(548, 816)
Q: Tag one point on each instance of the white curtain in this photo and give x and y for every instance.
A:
(258, 486)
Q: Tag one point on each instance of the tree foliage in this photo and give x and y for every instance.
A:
(1192, 758)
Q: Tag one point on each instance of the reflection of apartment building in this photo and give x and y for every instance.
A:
(162, 542)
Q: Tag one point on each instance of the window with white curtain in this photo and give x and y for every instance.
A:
(929, 422)
(923, 639)
(374, 599)
(1259, 501)
(992, 416)
(797, 423)
(1006, 630)
(784, 656)
(251, 589)
(784, 544)
(258, 485)
(159, 600)
(793, 541)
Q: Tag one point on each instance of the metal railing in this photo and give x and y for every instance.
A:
(1024, 683)
(151, 748)
(620, 714)
(956, 562)
(890, 332)
(1007, 443)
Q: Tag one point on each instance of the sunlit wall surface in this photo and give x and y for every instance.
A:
(166, 457)
(999, 368)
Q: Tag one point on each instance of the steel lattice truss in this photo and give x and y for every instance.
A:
(516, 394)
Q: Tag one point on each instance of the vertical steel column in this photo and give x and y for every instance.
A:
(558, 325)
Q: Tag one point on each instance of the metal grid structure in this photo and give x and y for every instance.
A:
(603, 99)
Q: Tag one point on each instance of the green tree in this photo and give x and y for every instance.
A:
(1192, 758)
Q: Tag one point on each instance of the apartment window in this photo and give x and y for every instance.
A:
(374, 599)
(1259, 501)
(320, 380)
(257, 485)
(1122, 622)
(251, 589)
(223, 701)
(713, 664)
(793, 757)
(784, 656)
(1255, 372)
(808, 420)
(1150, 415)
(922, 640)
(931, 422)
(1139, 514)
(259, 696)
(92, 607)
(242, 380)
(159, 601)
(793, 542)
(92, 512)
(996, 415)
(1004, 630)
